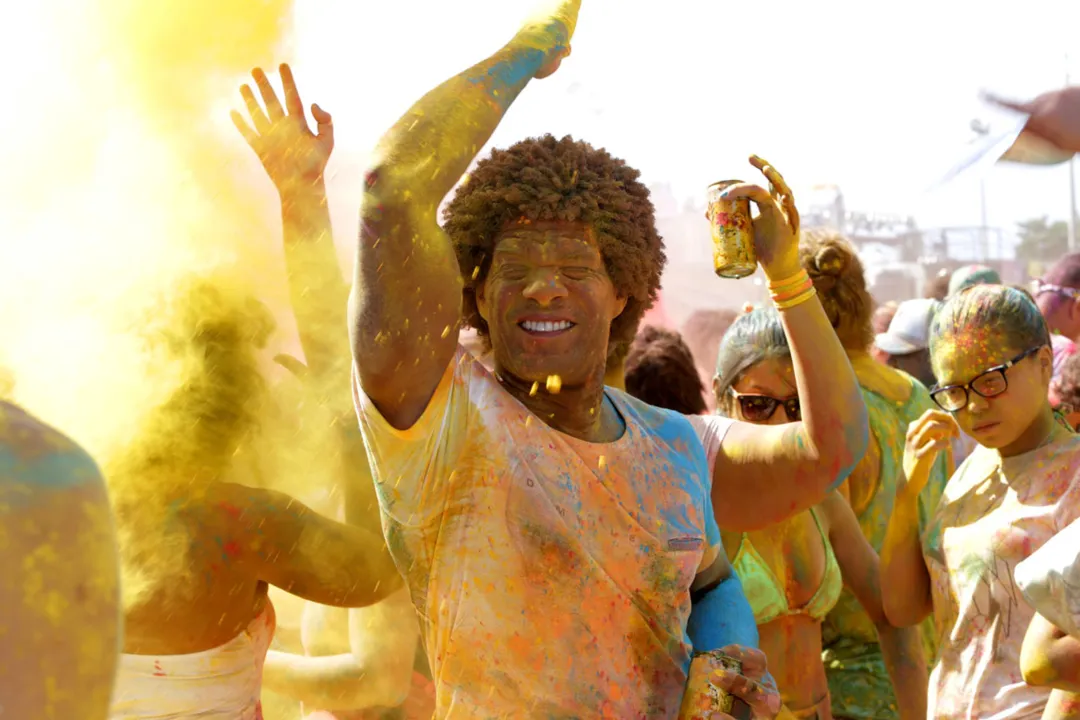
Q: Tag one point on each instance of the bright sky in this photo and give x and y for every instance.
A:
(875, 97)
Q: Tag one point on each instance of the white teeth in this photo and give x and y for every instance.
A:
(546, 326)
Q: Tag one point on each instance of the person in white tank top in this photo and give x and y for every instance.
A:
(200, 549)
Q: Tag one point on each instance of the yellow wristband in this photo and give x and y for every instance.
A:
(795, 279)
(797, 300)
(792, 291)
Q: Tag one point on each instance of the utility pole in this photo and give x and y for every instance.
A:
(982, 129)
(1072, 178)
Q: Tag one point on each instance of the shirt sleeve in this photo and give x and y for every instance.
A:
(714, 546)
(710, 430)
(413, 468)
(1050, 579)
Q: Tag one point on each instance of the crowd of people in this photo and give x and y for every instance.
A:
(542, 508)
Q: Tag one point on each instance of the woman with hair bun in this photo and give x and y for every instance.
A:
(857, 671)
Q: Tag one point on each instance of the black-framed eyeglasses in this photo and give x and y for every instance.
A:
(760, 408)
(1040, 287)
(987, 384)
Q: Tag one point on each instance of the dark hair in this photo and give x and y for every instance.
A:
(187, 442)
(660, 370)
(938, 287)
(838, 276)
(1065, 272)
(216, 333)
(754, 336)
(703, 331)
(547, 179)
(1068, 383)
(1005, 310)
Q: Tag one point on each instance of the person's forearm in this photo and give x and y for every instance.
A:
(834, 418)
(722, 616)
(905, 662)
(317, 288)
(1062, 705)
(405, 306)
(1050, 657)
(431, 146)
(332, 682)
(905, 581)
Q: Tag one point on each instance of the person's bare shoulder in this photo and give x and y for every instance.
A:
(58, 549)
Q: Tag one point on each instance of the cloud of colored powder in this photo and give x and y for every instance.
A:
(122, 174)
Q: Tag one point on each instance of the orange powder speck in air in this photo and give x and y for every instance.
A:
(554, 384)
(533, 390)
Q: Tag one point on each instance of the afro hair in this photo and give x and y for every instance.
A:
(545, 179)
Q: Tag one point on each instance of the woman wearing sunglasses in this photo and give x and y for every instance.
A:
(991, 354)
(793, 572)
(858, 672)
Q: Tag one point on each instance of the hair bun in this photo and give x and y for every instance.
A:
(832, 261)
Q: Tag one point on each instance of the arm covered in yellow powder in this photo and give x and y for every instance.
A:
(1050, 657)
(815, 454)
(293, 547)
(60, 622)
(377, 672)
(901, 647)
(1062, 705)
(905, 579)
(295, 160)
(405, 306)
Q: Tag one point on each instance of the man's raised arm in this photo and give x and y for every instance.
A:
(405, 307)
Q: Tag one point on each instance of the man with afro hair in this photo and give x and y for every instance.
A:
(558, 537)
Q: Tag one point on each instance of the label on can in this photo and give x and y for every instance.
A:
(703, 697)
(732, 233)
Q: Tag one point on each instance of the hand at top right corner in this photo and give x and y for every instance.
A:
(1054, 116)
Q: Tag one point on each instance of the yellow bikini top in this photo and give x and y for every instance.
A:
(768, 596)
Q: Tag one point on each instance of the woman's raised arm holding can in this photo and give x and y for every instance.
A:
(820, 451)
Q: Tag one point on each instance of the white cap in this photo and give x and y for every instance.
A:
(909, 330)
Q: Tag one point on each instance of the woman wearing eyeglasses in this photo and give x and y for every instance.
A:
(793, 572)
(991, 354)
(857, 669)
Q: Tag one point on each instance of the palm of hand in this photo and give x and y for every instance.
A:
(291, 154)
(290, 151)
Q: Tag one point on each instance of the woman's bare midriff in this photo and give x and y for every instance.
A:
(793, 645)
(795, 551)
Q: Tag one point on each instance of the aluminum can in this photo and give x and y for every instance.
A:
(702, 697)
(732, 233)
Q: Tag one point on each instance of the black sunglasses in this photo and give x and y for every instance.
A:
(988, 384)
(759, 408)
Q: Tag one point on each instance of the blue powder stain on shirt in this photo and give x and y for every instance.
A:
(54, 471)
